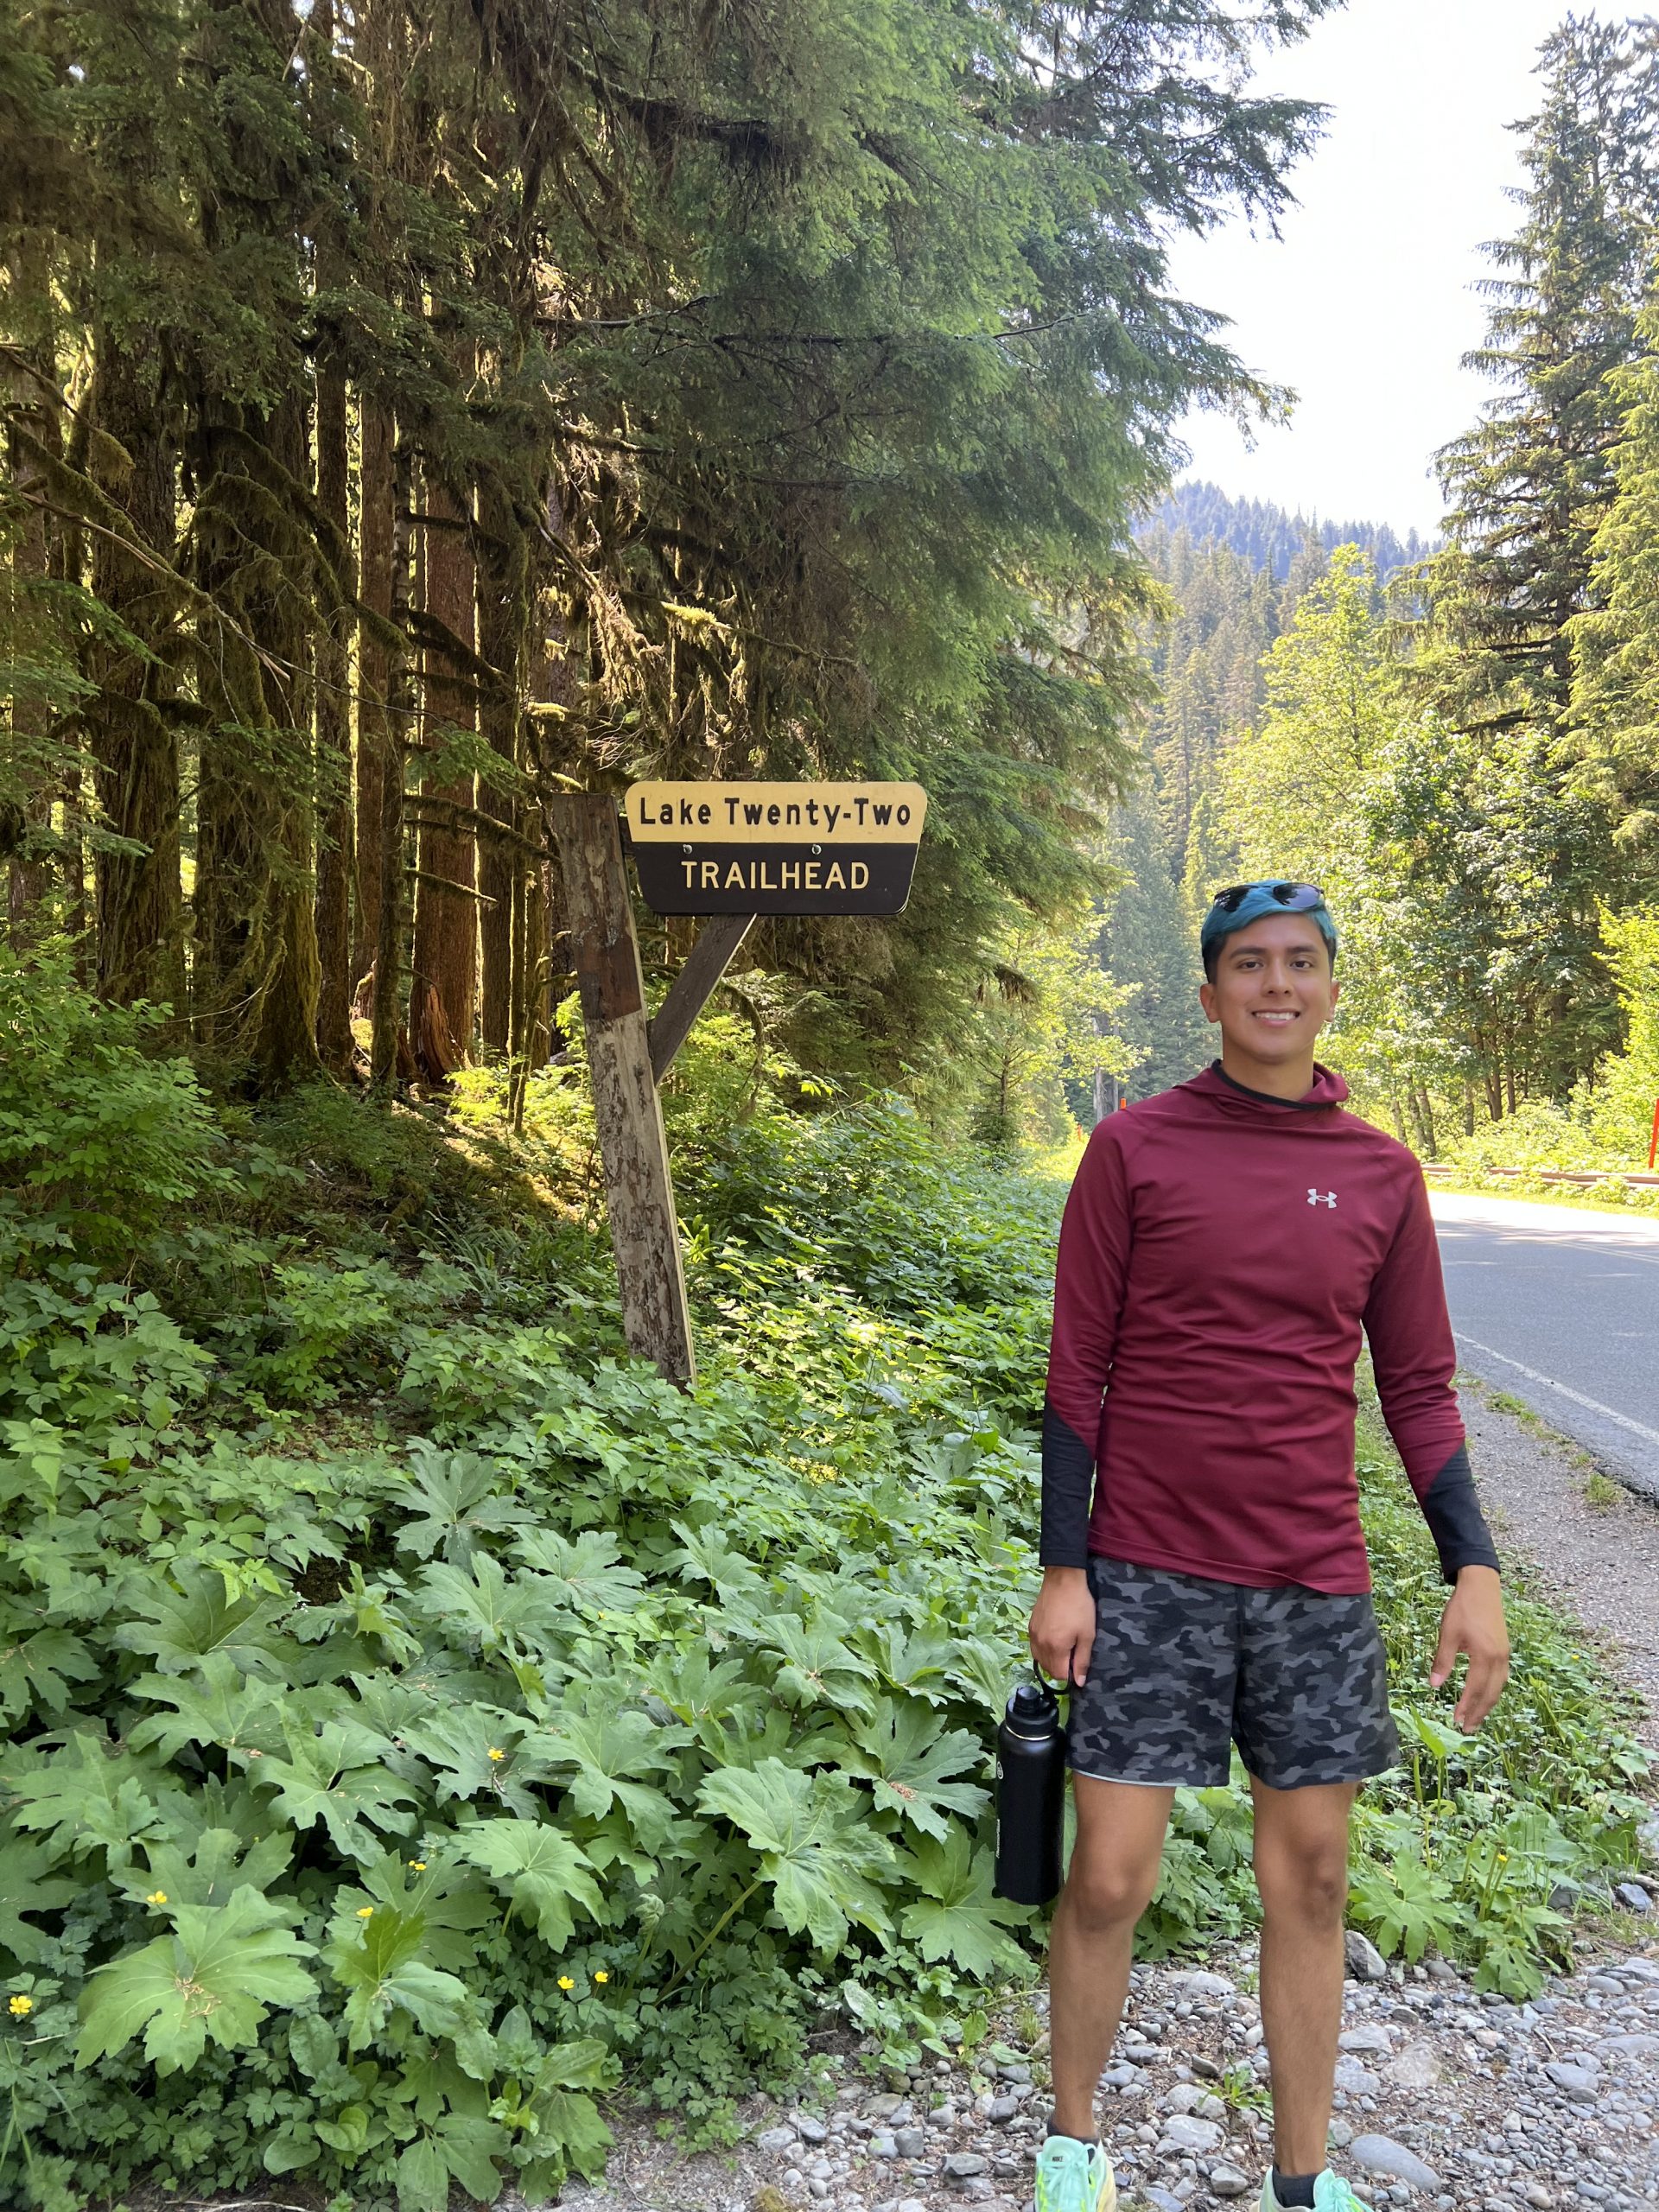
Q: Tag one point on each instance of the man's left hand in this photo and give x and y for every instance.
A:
(1473, 1623)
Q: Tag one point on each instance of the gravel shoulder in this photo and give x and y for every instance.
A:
(1589, 1544)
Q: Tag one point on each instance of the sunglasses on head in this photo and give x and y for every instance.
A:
(1294, 898)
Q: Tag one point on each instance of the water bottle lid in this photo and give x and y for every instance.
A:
(1032, 1709)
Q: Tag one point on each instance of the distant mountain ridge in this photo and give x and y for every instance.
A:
(1269, 537)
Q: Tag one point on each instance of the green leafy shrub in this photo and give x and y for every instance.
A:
(342, 1323)
(869, 1198)
(1538, 1134)
(95, 1132)
(1462, 1850)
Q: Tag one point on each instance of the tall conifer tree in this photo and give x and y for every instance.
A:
(1529, 484)
(1615, 723)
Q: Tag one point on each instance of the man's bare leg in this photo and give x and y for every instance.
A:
(1113, 1871)
(1301, 1871)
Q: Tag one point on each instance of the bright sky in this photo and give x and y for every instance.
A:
(1363, 306)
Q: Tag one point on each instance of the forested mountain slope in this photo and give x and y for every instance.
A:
(1233, 572)
(1270, 537)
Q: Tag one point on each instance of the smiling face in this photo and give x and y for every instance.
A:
(1273, 994)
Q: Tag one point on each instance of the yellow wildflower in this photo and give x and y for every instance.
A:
(601, 1975)
(419, 1865)
(366, 1912)
(496, 1755)
(20, 2007)
(565, 1982)
(156, 1897)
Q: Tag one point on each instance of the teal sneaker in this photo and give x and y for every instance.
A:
(1074, 2176)
(1330, 2194)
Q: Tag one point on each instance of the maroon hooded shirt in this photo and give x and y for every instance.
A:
(1221, 1253)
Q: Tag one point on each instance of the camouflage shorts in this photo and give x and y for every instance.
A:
(1181, 1667)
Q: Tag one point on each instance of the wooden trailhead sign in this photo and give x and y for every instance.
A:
(775, 849)
(733, 852)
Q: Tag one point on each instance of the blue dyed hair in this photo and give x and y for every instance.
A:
(1219, 923)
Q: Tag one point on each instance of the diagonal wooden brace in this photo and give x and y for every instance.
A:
(709, 957)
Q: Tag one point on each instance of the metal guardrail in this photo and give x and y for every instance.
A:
(1585, 1177)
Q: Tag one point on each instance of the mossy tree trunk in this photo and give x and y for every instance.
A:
(258, 974)
(137, 889)
(374, 665)
(503, 607)
(333, 736)
(444, 988)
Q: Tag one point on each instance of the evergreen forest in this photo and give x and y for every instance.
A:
(429, 1734)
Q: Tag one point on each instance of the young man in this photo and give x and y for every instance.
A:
(1223, 1246)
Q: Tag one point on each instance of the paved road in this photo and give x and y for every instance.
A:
(1559, 1306)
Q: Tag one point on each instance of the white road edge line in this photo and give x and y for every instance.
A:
(1590, 1405)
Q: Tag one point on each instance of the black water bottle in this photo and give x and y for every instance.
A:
(1030, 1795)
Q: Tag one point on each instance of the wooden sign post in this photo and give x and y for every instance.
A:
(731, 851)
(639, 1193)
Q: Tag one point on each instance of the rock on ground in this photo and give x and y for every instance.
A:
(1381, 2154)
(1365, 1961)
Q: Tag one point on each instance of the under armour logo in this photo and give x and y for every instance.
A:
(1321, 1197)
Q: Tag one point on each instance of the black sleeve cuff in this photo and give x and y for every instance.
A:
(1451, 1509)
(1068, 1493)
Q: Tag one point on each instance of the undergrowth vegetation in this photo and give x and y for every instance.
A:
(425, 1724)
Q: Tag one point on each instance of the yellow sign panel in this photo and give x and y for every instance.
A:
(775, 849)
(773, 814)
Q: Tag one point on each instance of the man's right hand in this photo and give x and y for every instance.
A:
(1062, 1629)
